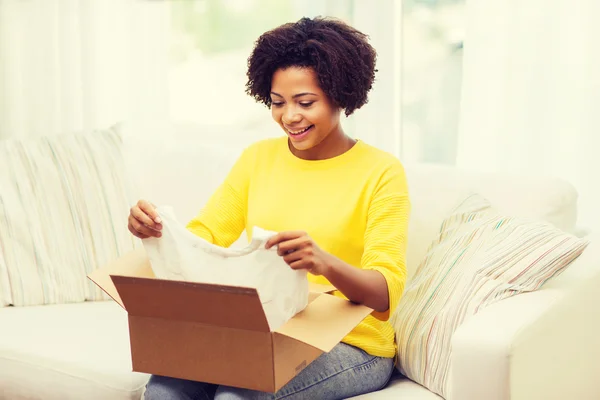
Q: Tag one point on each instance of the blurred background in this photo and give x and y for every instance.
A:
(85, 64)
(498, 85)
(211, 40)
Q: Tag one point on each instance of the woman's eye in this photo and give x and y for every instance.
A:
(277, 103)
(307, 104)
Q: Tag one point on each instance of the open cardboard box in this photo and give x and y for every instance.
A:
(219, 334)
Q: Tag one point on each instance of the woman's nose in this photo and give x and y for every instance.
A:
(290, 116)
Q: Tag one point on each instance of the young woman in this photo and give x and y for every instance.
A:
(340, 206)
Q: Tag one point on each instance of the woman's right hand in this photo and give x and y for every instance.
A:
(143, 221)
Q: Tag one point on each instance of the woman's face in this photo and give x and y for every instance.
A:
(301, 108)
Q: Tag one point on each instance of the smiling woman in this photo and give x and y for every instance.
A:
(331, 69)
(350, 233)
(307, 115)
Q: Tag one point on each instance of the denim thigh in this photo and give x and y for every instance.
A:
(344, 372)
(165, 388)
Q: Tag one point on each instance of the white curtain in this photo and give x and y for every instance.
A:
(379, 121)
(531, 92)
(72, 65)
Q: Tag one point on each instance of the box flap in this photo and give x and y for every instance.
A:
(204, 353)
(325, 321)
(217, 305)
(290, 357)
(319, 288)
(135, 263)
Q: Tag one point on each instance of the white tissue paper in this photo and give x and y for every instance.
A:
(180, 255)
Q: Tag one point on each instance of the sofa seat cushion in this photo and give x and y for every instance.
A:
(400, 388)
(69, 351)
(81, 351)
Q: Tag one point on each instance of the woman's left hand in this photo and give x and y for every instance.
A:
(299, 251)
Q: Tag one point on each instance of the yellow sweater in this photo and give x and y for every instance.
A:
(354, 206)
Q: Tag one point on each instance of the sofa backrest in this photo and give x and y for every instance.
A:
(436, 190)
(183, 172)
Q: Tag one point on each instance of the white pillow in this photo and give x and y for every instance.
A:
(63, 212)
(479, 257)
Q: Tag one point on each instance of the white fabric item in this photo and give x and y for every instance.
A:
(524, 108)
(67, 352)
(180, 255)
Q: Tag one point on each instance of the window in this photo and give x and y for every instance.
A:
(210, 44)
(412, 111)
(432, 41)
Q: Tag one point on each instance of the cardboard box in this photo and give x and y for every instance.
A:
(219, 334)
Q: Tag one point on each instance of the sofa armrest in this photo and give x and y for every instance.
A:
(539, 345)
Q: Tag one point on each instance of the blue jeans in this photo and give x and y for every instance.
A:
(344, 372)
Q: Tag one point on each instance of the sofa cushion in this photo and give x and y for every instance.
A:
(81, 351)
(63, 211)
(435, 190)
(400, 388)
(479, 257)
(69, 351)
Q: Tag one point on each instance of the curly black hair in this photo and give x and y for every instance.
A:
(341, 56)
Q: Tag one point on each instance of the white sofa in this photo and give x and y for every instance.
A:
(541, 345)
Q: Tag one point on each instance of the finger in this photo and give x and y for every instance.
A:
(293, 256)
(150, 210)
(292, 245)
(299, 264)
(144, 219)
(143, 229)
(283, 236)
(135, 233)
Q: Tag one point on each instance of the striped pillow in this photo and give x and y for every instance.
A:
(479, 258)
(63, 210)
